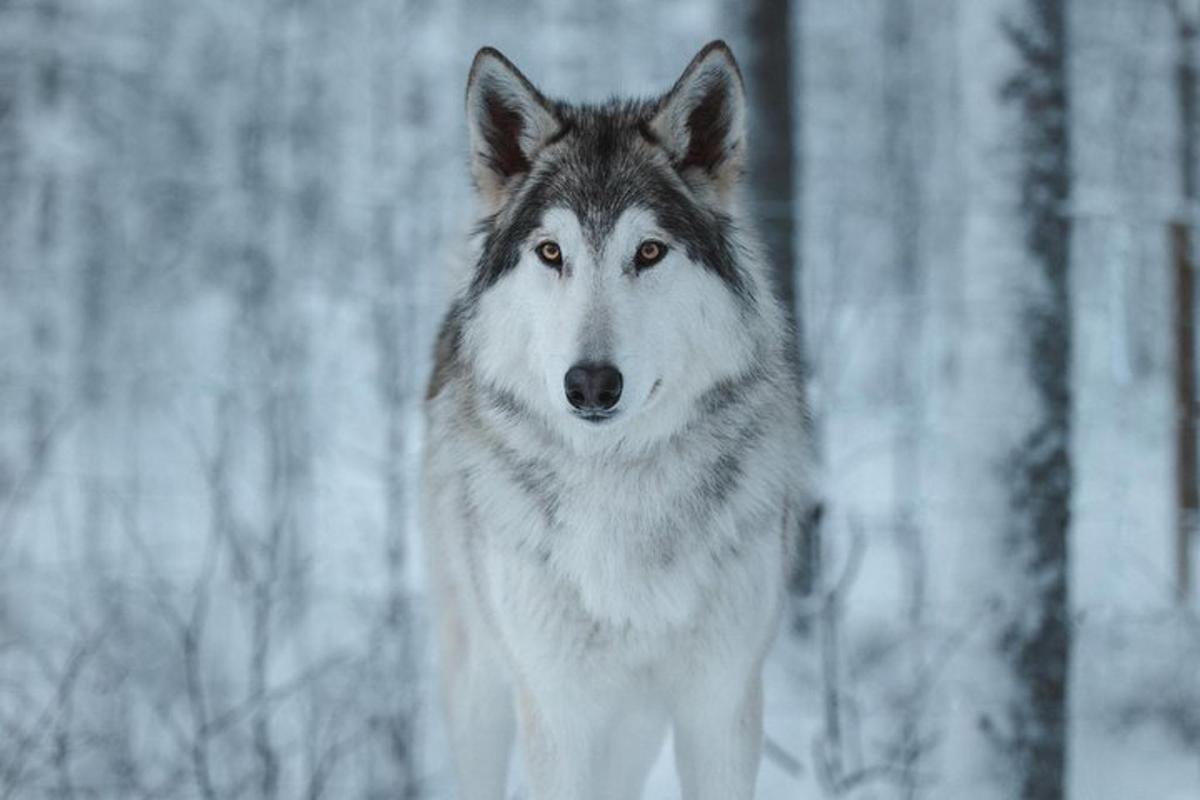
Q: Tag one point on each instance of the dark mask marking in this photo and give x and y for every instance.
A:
(604, 162)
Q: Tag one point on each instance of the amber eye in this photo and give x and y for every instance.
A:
(649, 253)
(550, 254)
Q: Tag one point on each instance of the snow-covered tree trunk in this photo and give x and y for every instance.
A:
(1001, 580)
(905, 130)
(394, 721)
(901, 93)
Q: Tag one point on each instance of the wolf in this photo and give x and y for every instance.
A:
(615, 461)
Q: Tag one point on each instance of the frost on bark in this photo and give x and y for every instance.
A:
(999, 587)
(1035, 641)
(399, 110)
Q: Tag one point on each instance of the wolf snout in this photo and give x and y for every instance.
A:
(593, 388)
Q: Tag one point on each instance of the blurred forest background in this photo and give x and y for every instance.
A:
(225, 227)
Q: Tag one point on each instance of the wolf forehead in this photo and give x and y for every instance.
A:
(602, 161)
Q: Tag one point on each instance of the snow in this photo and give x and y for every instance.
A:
(206, 206)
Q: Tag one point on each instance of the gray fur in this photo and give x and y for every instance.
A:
(536, 478)
(636, 566)
(595, 337)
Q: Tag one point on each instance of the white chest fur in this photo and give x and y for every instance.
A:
(650, 545)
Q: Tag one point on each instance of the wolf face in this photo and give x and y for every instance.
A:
(610, 277)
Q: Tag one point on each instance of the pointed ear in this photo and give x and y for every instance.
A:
(702, 120)
(508, 120)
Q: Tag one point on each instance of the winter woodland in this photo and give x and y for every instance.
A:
(226, 231)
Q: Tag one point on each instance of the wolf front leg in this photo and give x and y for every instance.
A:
(718, 733)
(563, 739)
(481, 732)
(479, 705)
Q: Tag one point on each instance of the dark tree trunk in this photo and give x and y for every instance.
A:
(1187, 498)
(772, 137)
(1036, 642)
(1187, 470)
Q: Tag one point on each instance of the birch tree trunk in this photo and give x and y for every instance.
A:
(1037, 641)
(1003, 583)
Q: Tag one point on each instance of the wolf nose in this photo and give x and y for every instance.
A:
(593, 387)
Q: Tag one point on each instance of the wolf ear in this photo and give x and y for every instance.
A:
(508, 120)
(702, 121)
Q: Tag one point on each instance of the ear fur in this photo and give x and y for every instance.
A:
(702, 121)
(508, 121)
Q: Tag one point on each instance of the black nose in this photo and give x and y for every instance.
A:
(593, 387)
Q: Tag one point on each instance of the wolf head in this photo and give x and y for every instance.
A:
(612, 275)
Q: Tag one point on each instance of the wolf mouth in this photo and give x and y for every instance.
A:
(595, 417)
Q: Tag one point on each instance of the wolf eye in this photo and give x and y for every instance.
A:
(550, 254)
(649, 253)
